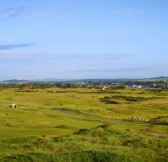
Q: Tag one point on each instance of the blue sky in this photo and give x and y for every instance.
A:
(72, 39)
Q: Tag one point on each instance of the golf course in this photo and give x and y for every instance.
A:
(83, 124)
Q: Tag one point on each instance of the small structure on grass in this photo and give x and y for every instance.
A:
(13, 105)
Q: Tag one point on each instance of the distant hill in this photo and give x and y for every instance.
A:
(161, 78)
(14, 81)
(102, 80)
(50, 80)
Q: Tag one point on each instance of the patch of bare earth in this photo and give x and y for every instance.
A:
(159, 135)
(5, 113)
(40, 113)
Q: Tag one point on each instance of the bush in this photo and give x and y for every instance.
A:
(162, 120)
(108, 100)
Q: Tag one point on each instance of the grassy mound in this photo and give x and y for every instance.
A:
(102, 143)
(161, 120)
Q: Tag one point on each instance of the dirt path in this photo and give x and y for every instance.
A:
(71, 114)
(159, 135)
(82, 117)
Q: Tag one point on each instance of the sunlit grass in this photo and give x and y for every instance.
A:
(40, 125)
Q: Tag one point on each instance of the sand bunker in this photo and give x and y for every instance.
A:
(4, 113)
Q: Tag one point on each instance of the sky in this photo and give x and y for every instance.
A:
(83, 39)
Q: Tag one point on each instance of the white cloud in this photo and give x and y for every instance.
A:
(49, 15)
(14, 46)
(8, 13)
(14, 11)
(121, 12)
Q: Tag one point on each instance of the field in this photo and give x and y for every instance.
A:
(78, 124)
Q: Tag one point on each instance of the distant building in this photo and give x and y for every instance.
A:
(13, 105)
(136, 86)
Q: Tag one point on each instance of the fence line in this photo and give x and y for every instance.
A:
(98, 115)
(107, 117)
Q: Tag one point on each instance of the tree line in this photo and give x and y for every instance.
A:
(87, 84)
